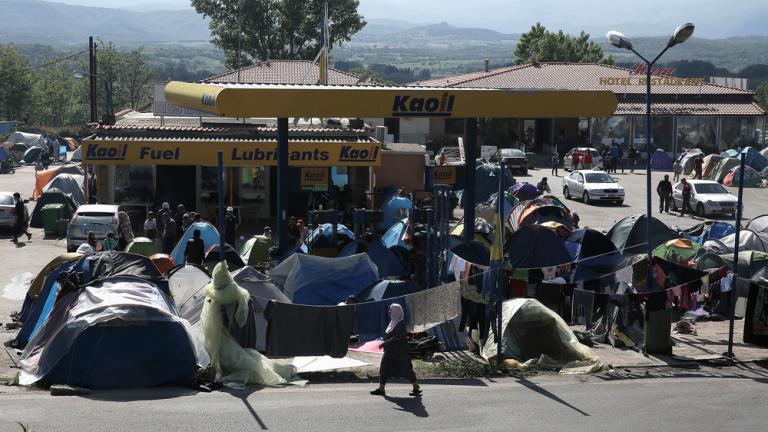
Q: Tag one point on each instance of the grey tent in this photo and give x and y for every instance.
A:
(723, 168)
(52, 196)
(629, 235)
(748, 241)
(751, 263)
(687, 158)
(77, 155)
(71, 184)
(759, 224)
(32, 154)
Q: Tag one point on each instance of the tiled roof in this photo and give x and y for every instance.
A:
(692, 109)
(572, 76)
(284, 72)
(245, 133)
(188, 139)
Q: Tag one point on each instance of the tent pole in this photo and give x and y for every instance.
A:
(469, 181)
(282, 184)
(500, 201)
(733, 295)
(222, 227)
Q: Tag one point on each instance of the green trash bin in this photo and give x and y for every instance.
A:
(51, 215)
(531, 158)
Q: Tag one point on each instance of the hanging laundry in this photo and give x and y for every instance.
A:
(371, 318)
(756, 318)
(301, 330)
(434, 306)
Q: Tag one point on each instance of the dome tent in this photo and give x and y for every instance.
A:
(208, 233)
(629, 235)
(710, 163)
(661, 161)
(678, 251)
(687, 158)
(748, 240)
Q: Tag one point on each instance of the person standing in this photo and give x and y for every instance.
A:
(686, 198)
(194, 251)
(587, 160)
(150, 226)
(230, 227)
(165, 209)
(575, 159)
(124, 230)
(677, 169)
(169, 234)
(664, 189)
(555, 163)
(396, 361)
(698, 167)
(20, 219)
(179, 218)
(633, 157)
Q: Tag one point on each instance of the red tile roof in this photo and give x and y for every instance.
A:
(284, 72)
(692, 109)
(572, 76)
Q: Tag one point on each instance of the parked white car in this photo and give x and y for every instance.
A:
(592, 186)
(7, 205)
(99, 218)
(597, 160)
(707, 198)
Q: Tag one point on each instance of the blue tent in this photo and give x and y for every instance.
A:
(732, 153)
(394, 209)
(7, 126)
(661, 161)
(755, 159)
(385, 289)
(326, 231)
(386, 261)
(314, 280)
(208, 233)
(595, 254)
(709, 230)
(4, 154)
(394, 235)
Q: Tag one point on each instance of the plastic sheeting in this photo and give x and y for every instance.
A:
(236, 366)
(129, 301)
(532, 330)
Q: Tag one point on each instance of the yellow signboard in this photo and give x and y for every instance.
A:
(444, 175)
(236, 153)
(353, 101)
(314, 179)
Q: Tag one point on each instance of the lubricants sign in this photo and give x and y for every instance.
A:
(239, 153)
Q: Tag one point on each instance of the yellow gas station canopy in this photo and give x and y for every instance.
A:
(256, 100)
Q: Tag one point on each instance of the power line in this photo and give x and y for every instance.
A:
(44, 64)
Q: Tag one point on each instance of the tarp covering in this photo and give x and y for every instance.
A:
(42, 178)
(534, 246)
(629, 235)
(256, 250)
(208, 233)
(388, 263)
(394, 209)
(687, 158)
(531, 330)
(487, 182)
(71, 184)
(81, 345)
(314, 280)
(661, 161)
(709, 230)
(723, 168)
(52, 196)
(710, 163)
(754, 158)
(748, 240)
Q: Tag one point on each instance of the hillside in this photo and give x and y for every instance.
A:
(34, 21)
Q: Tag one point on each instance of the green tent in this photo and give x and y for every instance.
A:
(629, 234)
(487, 182)
(751, 263)
(256, 250)
(678, 251)
(142, 246)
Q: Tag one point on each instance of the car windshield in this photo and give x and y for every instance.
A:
(599, 178)
(710, 188)
(6, 199)
(509, 153)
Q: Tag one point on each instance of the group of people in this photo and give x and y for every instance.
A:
(167, 228)
(664, 189)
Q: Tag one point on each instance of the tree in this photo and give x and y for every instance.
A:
(15, 83)
(137, 77)
(111, 65)
(59, 99)
(253, 30)
(548, 46)
(761, 94)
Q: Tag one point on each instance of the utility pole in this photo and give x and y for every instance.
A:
(92, 80)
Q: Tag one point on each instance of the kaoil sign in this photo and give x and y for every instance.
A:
(314, 179)
(444, 175)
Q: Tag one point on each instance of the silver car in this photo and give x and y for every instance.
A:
(7, 206)
(99, 218)
(707, 198)
(597, 160)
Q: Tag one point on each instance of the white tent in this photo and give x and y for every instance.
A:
(77, 155)
(748, 241)
(31, 140)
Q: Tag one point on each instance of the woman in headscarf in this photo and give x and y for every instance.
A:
(124, 230)
(396, 361)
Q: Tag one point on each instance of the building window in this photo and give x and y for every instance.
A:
(610, 130)
(254, 192)
(209, 192)
(739, 132)
(697, 132)
(134, 184)
(454, 126)
(661, 133)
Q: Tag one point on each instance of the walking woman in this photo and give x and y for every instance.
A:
(396, 361)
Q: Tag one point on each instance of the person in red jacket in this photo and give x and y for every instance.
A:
(687, 190)
(588, 159)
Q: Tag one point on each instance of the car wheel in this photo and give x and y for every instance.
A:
(525, 171)
(620, 203)
(700, 210)
(585, 198)
(566, 193)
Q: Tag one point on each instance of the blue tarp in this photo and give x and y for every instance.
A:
(714, 230)
(314, 280)
(395, 209)
(394, 235)
(755, 159)
(661, 161)
(208, 233)
(387, 263)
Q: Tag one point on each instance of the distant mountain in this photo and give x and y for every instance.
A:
(34, 21)
(400, 32)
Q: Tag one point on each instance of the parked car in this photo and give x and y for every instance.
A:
(513, 158)
(7, 215)
(597, 160)
(99, 218)
(590, 185)
(707, 198)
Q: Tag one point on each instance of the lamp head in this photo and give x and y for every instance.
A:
(619, 40)
(682, 33)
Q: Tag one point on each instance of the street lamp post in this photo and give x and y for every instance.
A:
(681, 34)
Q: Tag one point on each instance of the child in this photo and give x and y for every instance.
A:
(150, 226)
(109, 243)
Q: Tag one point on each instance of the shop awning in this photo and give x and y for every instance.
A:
(251, 100)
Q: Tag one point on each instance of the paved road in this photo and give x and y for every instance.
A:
(699, 401)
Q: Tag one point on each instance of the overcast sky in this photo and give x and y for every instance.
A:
(514, 16)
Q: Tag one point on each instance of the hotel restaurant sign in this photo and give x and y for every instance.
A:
(659, 76)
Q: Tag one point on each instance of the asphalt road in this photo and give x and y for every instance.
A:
(730, 399)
